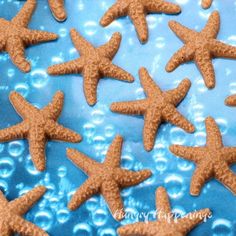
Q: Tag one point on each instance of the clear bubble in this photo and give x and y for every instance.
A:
(7, 167)
(29, 166)
(92, 204)
(222, 227)
(177, 136)
(107, 232)
(63, 215)
(38, 78)
(99, 217)
(22, 88)
(98, 117)
(16, 148)
(82, 229)
(89, 130)
(4, 186)
(109, 131)
(44, 219)
(160, 164)
(127, 161)
(90, 28)
(62, 171)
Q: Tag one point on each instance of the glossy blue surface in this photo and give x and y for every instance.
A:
(98, 125)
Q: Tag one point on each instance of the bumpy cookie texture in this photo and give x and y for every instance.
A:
(166, 224)
(15, 36)
(38, 126)
(201, 47)
(158, 107)
(11, 220)
(137, 11)
(231, 100)
(94, 64)
(106, 178)
(57, 9)
(212, 160)
(206, 3)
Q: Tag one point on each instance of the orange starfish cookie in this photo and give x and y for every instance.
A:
(38, 126)
(231, 100)
(137, 11)
(166, 224)
(212, 160)
(206, 3)
(15, 36)
(57, 9)
(107, 178)
(158, 107)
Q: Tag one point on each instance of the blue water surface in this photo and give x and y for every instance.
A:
(98, 125)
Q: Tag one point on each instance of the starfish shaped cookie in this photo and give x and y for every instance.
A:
(38, 126)
(106, 178)
(201, 47)
(11, 220)
(212, 160)
(137, 11)
(158, 107)
(166, 224)
(231, 100)
(15, 36)
(94, 64)
(57, 9)
(206, 3)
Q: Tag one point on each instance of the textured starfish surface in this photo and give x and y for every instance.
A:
(158, 107)
(57, 9)
(11, 220)
(212, 160)
(15, 36)
(231, 100)
(166, 224)
(137, 11)
(94, 64)
(201, 47)
(38, 126)
(106, 178)
(206, 3)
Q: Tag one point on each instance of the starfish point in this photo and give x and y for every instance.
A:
(58, 9)
(206, 3)
(166, 224)
(231, 100)
(158, 107)
(38, 126)
(201, 47)
(137, 11)
(106, 178)
(212, 160)
(94, 64)
(11, 220)
(15, 36)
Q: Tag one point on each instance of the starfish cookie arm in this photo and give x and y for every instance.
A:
(226, 176)
(114, 152)
(194, 154)
(183, 55)
(80, 43)
(191, 220)
(154, 6)
(201, 175)
(23, 108)
(18, 131)
(115, 11)
(21, 226)
(110, 70)
(91, 78)
(16, 50)
(229, 154)
(31, 37)
(206, 3)
(82, 161)
(171, 115)
(139, 228)
(5, 230)
(183, 33)
(89, 188)
(110, 48)
(137, 15)
(231, 100)
(214, 138)
(2, 42)
(70, 67)
(54, 108)
(213, 25)
(220, 49)
(25, 14)
(148, 84)
(111, 193)
(152, 121)
(127, 178)
(57, 9)
(178, 94)
(58, 132)
(3, 200)
(130, 108)
(22, 204)
(203, 60)
(163, 205)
